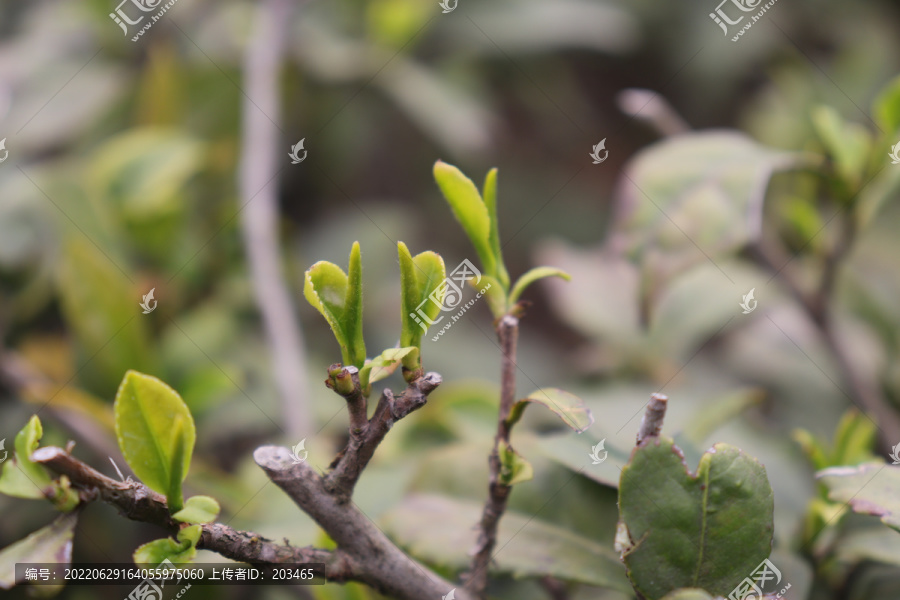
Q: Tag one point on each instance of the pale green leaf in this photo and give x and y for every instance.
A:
(439, 531)
(198, 509)
(156, 433)
(489, 194)
(384, 365)
(181, 551)
(21, 477)
(570, 408)
(870, 489)
(848, 143)
(142, 172)
(338, 296)
(100, 307)
(698, 191)
(887, 107)
(469, 209)
(533, 275)
(513, 467)
(422, 293)
(50, 544)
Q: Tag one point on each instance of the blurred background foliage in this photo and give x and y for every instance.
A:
(121, 178)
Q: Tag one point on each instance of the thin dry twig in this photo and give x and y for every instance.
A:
(261, 110)
(654, 415)
(364, 439)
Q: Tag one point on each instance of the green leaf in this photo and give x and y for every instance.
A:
(142, 172)
(100, 307)
(870, 489)
(533, 275)
(50, 544)
(887, 107)
(848, 143)
(695, 190)
(470, 210)
(812, 448)
(490, 202)
(182, 551)
(705, 530)
(688, 594)
(568, 407)
(513, 467)
(156, 434)
(715, 414)
(853, 439)
(198, 509)
(439, 531)
(338, 296)
(21, 477)
(422, 293)
(384, 365)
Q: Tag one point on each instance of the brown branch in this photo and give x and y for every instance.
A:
(259, 166)
(818, 308)
(652, 421)
(498, 492)
(365, 439)
(377, 561)
(137, 502)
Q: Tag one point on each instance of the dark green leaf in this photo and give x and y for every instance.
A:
(707, 530)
